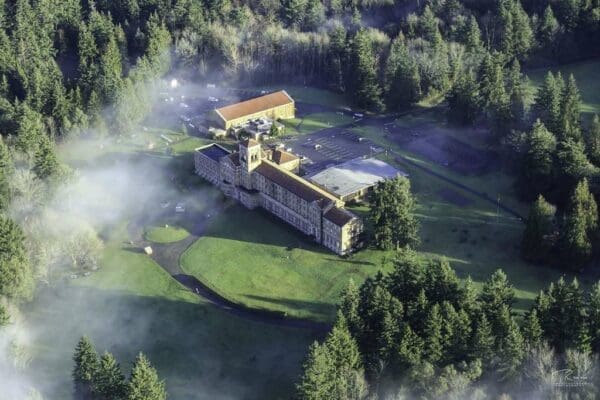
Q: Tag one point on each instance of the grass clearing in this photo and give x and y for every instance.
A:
(263, 263)
(587, 75)
(132, 305)
(165, 234)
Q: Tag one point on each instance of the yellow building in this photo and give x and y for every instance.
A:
(278, 105)
(264, 178)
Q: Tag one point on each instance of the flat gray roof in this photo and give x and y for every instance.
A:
(354, 175)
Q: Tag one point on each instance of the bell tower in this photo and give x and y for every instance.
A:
(250, 158)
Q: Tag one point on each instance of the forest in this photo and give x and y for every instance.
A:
(74, 69)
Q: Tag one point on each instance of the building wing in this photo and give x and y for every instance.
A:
(254, 106)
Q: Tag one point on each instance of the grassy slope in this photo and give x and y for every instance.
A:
(264, 264)
(587, 75)
(132, 305)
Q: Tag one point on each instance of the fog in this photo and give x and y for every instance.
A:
(201, 352)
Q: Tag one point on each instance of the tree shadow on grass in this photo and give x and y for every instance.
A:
(325, 311)
(259, 227)
(201, 352)
(350, 261)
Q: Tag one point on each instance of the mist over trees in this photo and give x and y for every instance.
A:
(421, 332)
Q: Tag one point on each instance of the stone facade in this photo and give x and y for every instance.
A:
(256, 179)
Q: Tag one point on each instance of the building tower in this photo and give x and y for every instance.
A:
(250, 158)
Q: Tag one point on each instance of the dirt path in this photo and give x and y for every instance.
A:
(168, 256)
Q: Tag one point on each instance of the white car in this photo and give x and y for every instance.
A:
(180, 208)
(213, 99)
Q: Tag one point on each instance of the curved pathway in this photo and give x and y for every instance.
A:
(168, 255)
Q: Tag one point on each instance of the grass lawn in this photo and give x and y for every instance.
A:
(587, 75)
(165, 234)
(263, 263)
(132, 305)
(314, 122)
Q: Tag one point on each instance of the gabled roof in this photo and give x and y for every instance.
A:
(292, 183)
(253, 106)
(282, 157)
(338, 216)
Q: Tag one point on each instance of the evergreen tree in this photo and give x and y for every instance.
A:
(593, 141)
(109, 382)
(144, 383)
(548, 28)
(86, 366)
(349, 308)
(497, 292)
(315, 382)
(403, 82)
(548, 103)
(570, 111)
(463, 100)
(483, 341)
(580, 223)
(45, 162)
(433, 341)
(536, 174)
(473, 36)
(6, 170)
(4, 316)
(392, 214)
(594, 317)
(512, 348)
(16, 278)
(538, 236)
(532, 329)
(364, 72)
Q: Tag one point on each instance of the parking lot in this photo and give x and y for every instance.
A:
(329, 147)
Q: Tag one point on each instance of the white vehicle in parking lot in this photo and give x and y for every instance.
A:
(213, 99)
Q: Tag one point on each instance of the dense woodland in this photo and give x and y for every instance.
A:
(71, 68)
(419, 332)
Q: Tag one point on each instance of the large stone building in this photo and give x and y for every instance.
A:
(267, 178)
(277, 105)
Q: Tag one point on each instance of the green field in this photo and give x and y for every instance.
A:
(256, 260)
(165, 234)
(587, 75)
(312, 95)
(132, 305)
(314, 122)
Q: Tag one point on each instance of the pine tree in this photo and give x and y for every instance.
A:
(512, 349)
(463, 100)
(144, 383)
(6, 170)
(594, 317)
(109, 382)
(548, 29)
(409, 350)
(433, 342)
(16, 278)
(86, 366)
(593, 141)
(483, 341)
(548, 103)
(45, 162)
(570, 111)
(497, 292)
(473, 36)
(580, 224)
(392, 214)
(349, 308)
(364, 67)
(538, 236)
(532, 330)
(315, 382)
(403, 82)
(538, 165)
(4, 316)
